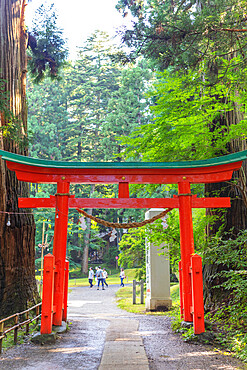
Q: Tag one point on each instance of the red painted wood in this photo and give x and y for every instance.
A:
(47, 295)
(123, 171)
(66, 286)
(211, 202)
(124, 202)
(37, 202)
(123, 190)
(139, 175)
(197, 294)
(132, 179)
(181, 290)
(59, 248)
(187, 246)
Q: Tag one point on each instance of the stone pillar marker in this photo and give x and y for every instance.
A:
(158, 273)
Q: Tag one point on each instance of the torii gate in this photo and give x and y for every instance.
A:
(55, 288)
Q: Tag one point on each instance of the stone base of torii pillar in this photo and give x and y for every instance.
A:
(157, 273)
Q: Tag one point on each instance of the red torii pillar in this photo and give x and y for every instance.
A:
(181, 173)
(59, 248)
(187, 247)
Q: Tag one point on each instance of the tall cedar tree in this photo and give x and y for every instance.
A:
(91, 81)
(127, 109)
(180, 35)
(17, 272)
(47, 46)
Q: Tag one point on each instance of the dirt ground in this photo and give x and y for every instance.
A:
(92, 314)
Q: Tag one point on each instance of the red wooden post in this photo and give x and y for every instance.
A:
(187, 246)
(66, 285)
(181, 290)
(59, 247)
(47, 296)
(197, 294)
(123, 190)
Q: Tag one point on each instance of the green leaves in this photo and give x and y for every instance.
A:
(127, 109)
(183, 33)
(132, 250)
(132, 244)
(231, 278)
(47, 50)
(191, 115)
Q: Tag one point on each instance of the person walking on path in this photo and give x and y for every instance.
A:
(122, 276)
(100, 278)
(96, 279)
(105, 276)
(90, 277)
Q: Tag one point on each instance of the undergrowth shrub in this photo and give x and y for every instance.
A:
(231, 317)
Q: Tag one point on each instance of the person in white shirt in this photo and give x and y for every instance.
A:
(122, 276)
(105, 275)
(90, 277)
(100, 278)
(96, 279)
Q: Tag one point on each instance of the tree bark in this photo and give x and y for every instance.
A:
(232, 219)
(17, 241)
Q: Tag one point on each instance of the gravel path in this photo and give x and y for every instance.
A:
(94, 317)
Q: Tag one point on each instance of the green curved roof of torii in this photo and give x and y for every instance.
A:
(230, 158)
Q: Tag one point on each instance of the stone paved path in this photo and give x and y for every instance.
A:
(104, 337)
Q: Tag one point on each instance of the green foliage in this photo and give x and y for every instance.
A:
(127, 108)
(110, 255)
(91, 82)
(187, 107)
(188, 335)
(132, 251)
(232, 275)
(48, 119)
(238, 344)
(232, 339)
(231, 317)
(132, 244)
(182, 33)
(170, 237)
(47, 46)
(22, 337)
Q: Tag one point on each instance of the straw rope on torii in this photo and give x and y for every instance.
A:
(129, 225)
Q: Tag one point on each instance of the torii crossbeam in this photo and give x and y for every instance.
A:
(55, 290)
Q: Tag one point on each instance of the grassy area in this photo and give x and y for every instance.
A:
(8, 341)
(124, 301)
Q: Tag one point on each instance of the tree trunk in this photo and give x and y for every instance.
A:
(17, 243)
(234, 218)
